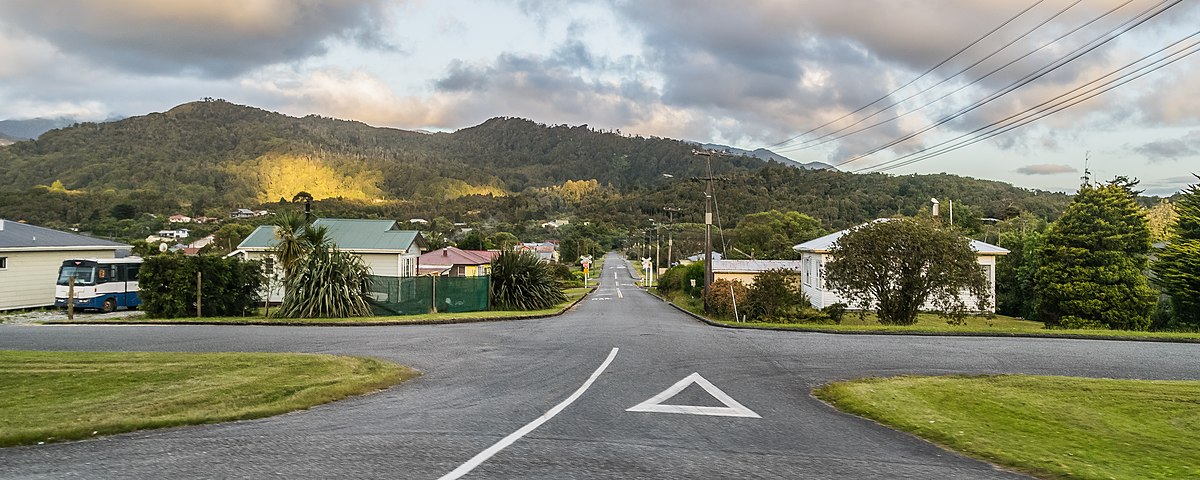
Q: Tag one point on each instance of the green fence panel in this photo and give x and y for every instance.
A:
(462, 294)
(416, 295)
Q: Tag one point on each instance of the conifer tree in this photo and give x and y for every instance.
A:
(1177, 269)
(1094, 260)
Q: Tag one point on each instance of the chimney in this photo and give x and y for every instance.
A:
(935, 207)
(445, 251)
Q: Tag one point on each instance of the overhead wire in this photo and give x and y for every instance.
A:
(967, 85)
(914, 80)
(1062, 61)
(1046, 108)
(818, 141)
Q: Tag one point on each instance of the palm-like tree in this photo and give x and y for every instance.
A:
(320, 280)
(289, 246)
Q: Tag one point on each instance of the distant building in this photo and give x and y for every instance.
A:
(548, 251)
(385, 248)
(556, 223)
(173, 234)
(699, 257)
(745, 270)
(247, 213)
(179, 218)
(418, 221)
(456, 262)
(30, 257)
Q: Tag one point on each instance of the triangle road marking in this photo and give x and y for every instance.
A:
(731, 409)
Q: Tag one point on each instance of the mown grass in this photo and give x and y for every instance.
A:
(1051, 427)
(573, 294)
(57, 396)
(998, 324)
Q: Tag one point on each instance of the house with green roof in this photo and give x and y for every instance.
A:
(30, 256)
(387, 249)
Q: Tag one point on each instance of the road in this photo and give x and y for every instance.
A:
(484, 384)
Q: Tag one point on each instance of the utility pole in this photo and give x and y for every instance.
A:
(670, 232)
(707, 223)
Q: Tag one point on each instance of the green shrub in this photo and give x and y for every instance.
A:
(521, 281)
(835, 311)
(327, 283)
(775, 296)
(723, 295)
(229, 286)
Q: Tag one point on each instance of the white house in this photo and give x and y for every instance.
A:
(385, 248)
(30, 257)
(814, 254)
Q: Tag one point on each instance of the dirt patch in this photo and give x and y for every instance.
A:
(34, 317)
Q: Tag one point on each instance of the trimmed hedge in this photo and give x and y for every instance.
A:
(229, 286)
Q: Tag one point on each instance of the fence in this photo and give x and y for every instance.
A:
(414, 295)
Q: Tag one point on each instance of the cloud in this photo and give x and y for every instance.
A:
(354, 94)
(1168, 186)
(218, 38)
(1171, 148)
(1045, 169)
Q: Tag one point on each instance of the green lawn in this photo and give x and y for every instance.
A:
(1051, 427)
(573, 294)
(56, 396)
(998, 324)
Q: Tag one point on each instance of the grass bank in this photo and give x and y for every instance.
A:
(57, 396)
(1051, 427)
(928, 323)
(573, 295)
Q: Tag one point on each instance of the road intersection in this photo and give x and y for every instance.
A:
(621, 386)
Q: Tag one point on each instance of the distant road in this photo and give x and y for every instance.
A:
(624, 386)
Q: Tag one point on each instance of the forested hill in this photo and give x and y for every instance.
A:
(212, 155)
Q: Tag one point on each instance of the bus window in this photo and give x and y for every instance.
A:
(133, 272)
(83, 275)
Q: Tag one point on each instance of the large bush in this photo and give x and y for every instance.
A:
(521, 281)
(229, 286)
(723, 295)
(775, 296)
(327, 283)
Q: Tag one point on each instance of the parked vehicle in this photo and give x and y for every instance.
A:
(104, 284)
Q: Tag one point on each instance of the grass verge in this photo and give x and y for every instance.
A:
(1051, 427)
(57, 396)
(573, 295)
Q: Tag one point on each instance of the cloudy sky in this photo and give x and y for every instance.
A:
(748, 73)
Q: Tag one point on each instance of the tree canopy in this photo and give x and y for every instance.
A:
(1177, 270)
(899, 266)
(1093, 262)
(773, 233)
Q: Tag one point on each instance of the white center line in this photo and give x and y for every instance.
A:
(481, 457)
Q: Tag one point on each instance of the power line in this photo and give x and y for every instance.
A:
(1047, 108)
(914, 80)
(810, 143)
(963, 87)
(1062, 61)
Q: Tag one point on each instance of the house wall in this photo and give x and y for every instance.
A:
(747, 278)
(813, 283)
(29, 278)
(274, 282)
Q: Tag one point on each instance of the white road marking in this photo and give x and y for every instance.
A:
(537, 422)
(731, 409)
(619, 294)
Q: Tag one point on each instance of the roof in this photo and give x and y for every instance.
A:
(20, 236)
(449, 256)
(753, 266)
(347, 234)
(699, 257)
(825, 244)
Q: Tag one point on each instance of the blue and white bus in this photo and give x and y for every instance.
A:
(104, 284)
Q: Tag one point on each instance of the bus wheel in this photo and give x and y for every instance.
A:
(110, 305)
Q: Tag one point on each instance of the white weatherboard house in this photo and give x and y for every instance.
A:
(30, 257)
(383, 246)
(815, 253)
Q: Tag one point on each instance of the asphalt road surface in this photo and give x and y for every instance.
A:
(551, 398)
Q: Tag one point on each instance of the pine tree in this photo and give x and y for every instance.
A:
(1177, 269)
(1094, 260)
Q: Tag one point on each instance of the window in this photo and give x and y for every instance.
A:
(133, 271)
(3, 263)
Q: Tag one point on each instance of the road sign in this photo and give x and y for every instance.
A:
(731, 409)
